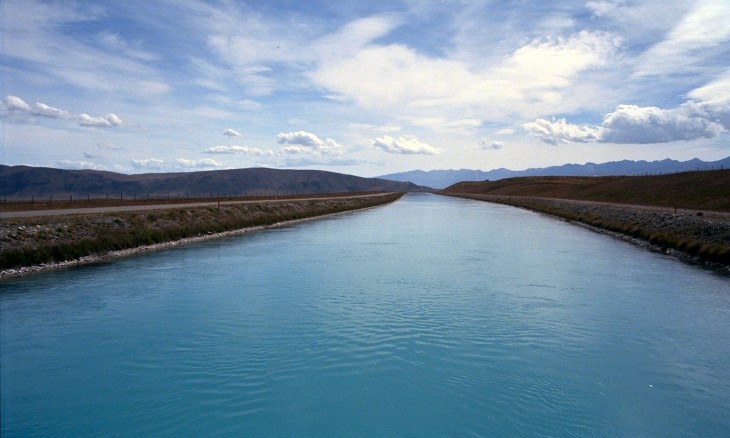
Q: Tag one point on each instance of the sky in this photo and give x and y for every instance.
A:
(361, 87)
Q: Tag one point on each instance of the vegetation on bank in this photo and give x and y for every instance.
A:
(40, 240)
(619, 204)
(703, 238)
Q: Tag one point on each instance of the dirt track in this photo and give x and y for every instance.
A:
(143, 207)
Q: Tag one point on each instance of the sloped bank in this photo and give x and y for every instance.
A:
(696, 235)
(39, 243)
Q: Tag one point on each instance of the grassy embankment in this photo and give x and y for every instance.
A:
(681, 220)
(40, 240)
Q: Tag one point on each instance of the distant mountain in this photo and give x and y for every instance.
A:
(25, 181)
(440, 179)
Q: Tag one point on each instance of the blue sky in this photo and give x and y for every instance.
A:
(365, 88)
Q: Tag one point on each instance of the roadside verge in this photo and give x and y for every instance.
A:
(32, 244)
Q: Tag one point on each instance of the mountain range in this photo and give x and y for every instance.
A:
(440, 179)
(26, 181)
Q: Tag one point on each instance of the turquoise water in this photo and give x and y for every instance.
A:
(431, 316)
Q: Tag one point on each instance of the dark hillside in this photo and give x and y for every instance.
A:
(25, 181)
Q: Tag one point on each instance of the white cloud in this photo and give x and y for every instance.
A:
(44, 110)
(231, 133)
(505, 131)
(396, 79)
(560, 131)
(206, 163)
(640, 125)
(13, 106)
(716, 92)
(403, 145)
(307, 149)
(303, 142)
(14, 103)
(701, 35)
(237, 150)
(108, 121)
(302, 138)
(633, 124)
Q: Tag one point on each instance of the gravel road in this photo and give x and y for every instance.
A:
(122, 208)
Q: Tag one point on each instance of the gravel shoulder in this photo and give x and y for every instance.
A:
(42, 242)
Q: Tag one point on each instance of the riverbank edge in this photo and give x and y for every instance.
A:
(559, 209)
(111, 255)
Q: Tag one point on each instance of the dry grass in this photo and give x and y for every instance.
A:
(708, 190)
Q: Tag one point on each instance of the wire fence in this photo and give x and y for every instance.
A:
(176, 197)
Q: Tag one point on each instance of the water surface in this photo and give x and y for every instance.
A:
(431, 316)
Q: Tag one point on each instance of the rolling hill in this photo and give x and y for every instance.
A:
(25, 181)
(705, 190)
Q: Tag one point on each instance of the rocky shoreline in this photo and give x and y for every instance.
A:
(696, 236)
(134, 229)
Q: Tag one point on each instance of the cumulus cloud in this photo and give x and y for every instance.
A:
(14, 103)
(560, 131)
(403, 145)
(13, 106)
(302, 138)
(633, 124)
(237, 150)
(108, 121)
(641, 125)
(231, 133)
(303, 142)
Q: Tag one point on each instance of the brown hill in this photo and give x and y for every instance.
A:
(707, 190)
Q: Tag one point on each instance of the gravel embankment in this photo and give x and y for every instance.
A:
(702, 236)
(32, 244)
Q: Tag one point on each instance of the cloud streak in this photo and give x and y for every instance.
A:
(245, 150)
